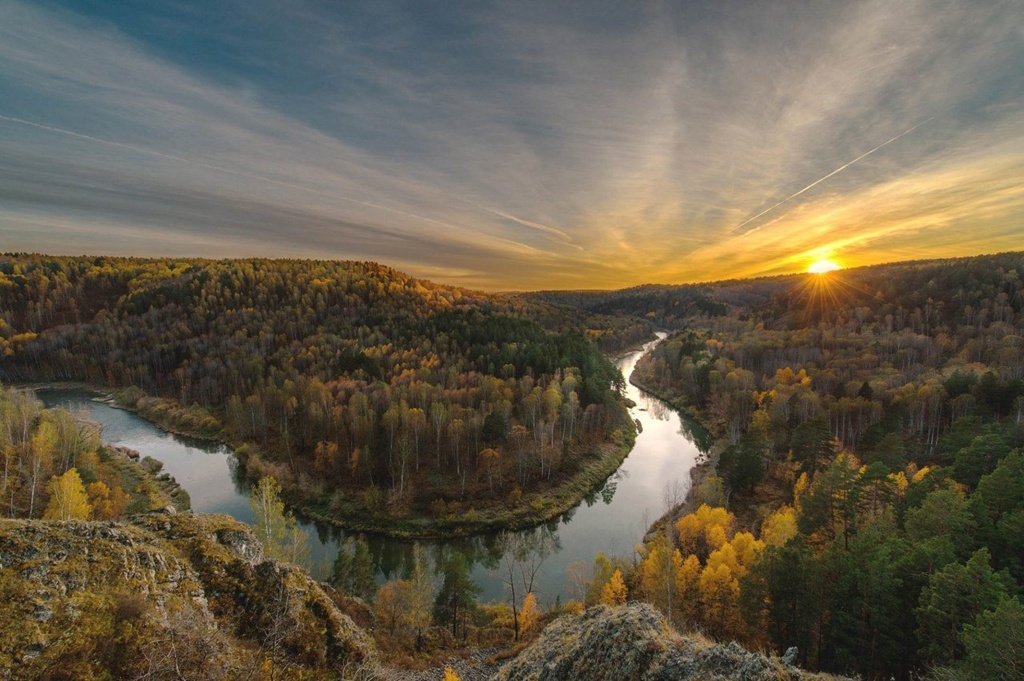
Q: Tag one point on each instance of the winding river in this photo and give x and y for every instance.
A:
(611, 520)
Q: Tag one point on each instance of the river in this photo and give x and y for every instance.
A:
(612, 520)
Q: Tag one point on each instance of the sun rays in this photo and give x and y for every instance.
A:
(826, 290)
(822, 266)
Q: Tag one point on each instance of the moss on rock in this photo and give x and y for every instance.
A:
(68, 590)
(635, 642)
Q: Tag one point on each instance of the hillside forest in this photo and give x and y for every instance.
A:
(372, 397)
(866, 498)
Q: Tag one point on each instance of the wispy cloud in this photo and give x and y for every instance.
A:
(517, 146)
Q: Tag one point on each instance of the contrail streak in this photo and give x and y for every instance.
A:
(820, 180)
(252, 176)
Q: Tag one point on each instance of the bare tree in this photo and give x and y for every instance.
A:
(277, 627)
(523, 556)
(579, 580)
(672, 495)
(186, 645)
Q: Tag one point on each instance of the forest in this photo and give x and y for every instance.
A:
(863, 503)
(369, 395)
(867, 501)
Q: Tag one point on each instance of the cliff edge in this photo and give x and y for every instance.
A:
(162, 594)
(633, 641)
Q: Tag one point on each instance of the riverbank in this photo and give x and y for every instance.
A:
(703, 470)
(163, 413)
(534, 509)
(470, 517)
(147, 485)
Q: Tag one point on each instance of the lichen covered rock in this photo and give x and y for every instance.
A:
(69, 590)
(634, 642)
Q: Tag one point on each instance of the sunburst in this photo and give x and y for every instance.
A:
(826, 291)
(823, 266)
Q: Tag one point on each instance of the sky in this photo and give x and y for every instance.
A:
(516, 145)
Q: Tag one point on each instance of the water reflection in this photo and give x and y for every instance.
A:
(696, 434)
(611, 519)
(655, 408)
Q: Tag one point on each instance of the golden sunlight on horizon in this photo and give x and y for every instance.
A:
(823, 266)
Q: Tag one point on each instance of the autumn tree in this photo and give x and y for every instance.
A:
(528, 615)
(779, 527)
(107, 503)
(421, 595)
(706, 529)
(523, 555)
(719, 598)
(40, 460)
(276, 528)
(600, 573)
(490, 458)
(393, 604)
(614, 592)
(68, 498)
(659, 573)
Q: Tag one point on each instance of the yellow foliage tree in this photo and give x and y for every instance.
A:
(614, 592)
(802, 483)
(277, 529)
(451, 675)
(687, 586)
(658, 576)
(779, 527)
(40, 460)
(724, 556)
(747, 550)
(528, 614)
(601, 572)
(490, 458)
(720, 592)
(899, 483)
(68, 499)
(704, 530)
(106, 503)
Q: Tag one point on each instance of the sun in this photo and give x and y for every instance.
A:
(822, 266)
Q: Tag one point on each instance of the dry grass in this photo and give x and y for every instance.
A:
(508, 653)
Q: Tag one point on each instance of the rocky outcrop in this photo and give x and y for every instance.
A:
(192, 595)
(202, 576)
(634, 642)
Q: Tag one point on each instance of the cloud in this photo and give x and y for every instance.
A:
(516, 146)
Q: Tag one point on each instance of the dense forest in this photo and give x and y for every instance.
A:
(361, 389)
(868, 506)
